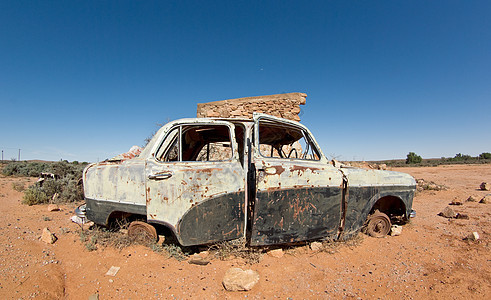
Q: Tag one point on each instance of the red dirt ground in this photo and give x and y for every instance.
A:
(430, 259)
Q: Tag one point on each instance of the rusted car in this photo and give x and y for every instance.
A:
(264, 179)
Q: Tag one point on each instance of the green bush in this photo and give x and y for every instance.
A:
(485, 155)
(413, 158)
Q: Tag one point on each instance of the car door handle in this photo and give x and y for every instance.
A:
(160, 176)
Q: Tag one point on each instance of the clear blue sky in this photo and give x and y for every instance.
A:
(85, 80)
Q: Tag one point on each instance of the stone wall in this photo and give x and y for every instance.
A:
(280, 105)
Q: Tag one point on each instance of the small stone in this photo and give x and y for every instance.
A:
(473, 236)
(196, 259)
(204, 254)
(53, 207)
(382, 167)
(462, 216)
(236, 279)
(456, 202)
(94, 297)
(448, 213)
(48, 237)
(485, 186)
(111, 281)
(395, 230)
(316, 246)
(485, 199)
(276, 253)
(471, 199)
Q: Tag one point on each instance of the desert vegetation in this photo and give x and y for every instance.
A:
(60, 182)
(416, 160)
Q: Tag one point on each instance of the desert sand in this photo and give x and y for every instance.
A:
(431, 259)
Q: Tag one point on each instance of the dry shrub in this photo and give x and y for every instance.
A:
(34, 195)
(236, 248)
(17, 186)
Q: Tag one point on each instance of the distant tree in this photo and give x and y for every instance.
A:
(485, 155)
(460, 156)
(413, 158)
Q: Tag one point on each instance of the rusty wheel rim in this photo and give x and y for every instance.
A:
(142, 232)
(378, 225)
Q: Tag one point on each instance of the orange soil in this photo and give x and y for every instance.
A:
(430, 259)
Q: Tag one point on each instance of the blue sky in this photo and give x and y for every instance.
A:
(85, 80)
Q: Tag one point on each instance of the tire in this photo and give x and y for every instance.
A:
(378, 225)
(143, 232)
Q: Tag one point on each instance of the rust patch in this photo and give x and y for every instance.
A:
(302, 168)
(279, 170)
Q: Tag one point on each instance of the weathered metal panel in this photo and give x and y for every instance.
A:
(362, 198)
(122, 182)
(190, 184)
(216, 219)
(291, 215)
(100, 210)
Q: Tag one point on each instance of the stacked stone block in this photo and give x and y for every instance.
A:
(280, 105)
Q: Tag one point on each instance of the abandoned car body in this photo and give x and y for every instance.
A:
(264, 179)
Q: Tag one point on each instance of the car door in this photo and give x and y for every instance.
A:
(196, 184)
(298, 193)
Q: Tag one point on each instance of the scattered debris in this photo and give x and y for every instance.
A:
(236, 279)
(423, 185)
(53, 207)
(48, 237)
(471, 199)
(113, 271)
(448, 213)
(133, 152)
(395, 230)
(485, 199)
(81, 221)
(316, 246)
(276, 253)
(485, 186)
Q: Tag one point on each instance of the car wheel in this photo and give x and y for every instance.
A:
(378, 225)
(142, 231)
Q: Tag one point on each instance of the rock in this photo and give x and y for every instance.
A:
(316, 246)
(462, 216)
(485, 186)
(382, 167)
(456, 202)
(53, 207)
(395, 230)
(204, 254)
(236, 279)
(448, 213)
(276, 253)
(471, 199)
(48, 237)
(473, 236)
(485, 199)
(196, 259)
